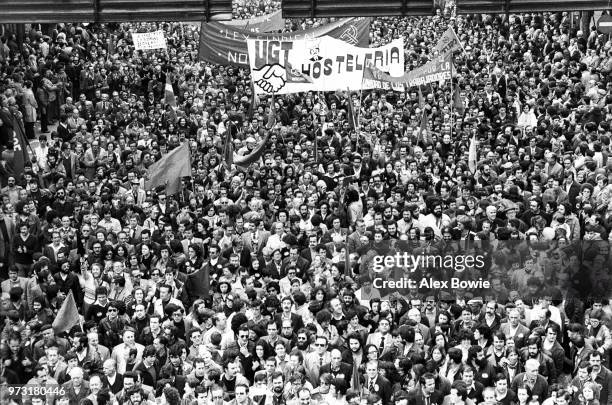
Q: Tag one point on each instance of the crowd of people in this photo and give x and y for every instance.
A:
(259, 285)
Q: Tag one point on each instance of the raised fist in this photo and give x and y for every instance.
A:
(270, 78)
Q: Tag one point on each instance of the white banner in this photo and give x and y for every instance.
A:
(317, 64)
(149, 40)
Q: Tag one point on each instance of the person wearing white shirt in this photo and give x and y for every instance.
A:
(121, 352)
(109, 223)
(165, 298)
(219, 326)
(41, 152)
(275, 241)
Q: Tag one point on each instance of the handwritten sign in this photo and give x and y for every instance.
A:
(149, 40)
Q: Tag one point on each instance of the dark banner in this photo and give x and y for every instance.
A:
(501, 270)
(224, 45)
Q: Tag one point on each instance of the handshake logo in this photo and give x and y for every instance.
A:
(270, 78)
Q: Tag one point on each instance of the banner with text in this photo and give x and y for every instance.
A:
(437, 70)
(374, 78)
(224, 45)
(149, 40)
(322, 64)
(266, 23)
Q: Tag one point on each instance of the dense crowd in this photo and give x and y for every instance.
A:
(258, 286)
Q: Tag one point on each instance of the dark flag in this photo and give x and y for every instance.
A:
(197, 285)
(347, 261)
(458, 103)
(20, 146)
(352, 117)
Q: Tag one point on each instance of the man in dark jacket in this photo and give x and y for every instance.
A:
(537, 383)
(425, 392)
(337, 368)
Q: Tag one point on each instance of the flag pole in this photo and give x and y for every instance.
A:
(316, 152)
(359, 114)
(452, 102)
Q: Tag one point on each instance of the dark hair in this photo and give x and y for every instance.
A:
(172, 395)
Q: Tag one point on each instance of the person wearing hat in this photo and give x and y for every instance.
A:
(140, 195)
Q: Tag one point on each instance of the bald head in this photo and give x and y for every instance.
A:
(76, 375)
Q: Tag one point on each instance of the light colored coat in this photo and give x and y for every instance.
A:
(30, 106)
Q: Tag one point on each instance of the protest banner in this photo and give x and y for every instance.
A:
(377, 79)
(149, 40)
(329, 64)
(266, 23)
(225, 45)
(437, 70)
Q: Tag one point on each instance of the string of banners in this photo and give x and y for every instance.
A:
(227, 45)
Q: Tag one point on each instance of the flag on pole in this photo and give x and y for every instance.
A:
(457, 102)
(421, 98)
(347, 261)
(352, 117)
(472, 157)
(228, 149)
(448, 43)
(111, 47)
(20, 146)
(170, 169)
(424, 129)
(272, 114)
(169, 92)
(67, 316)
(253, 102)
(245, 161)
